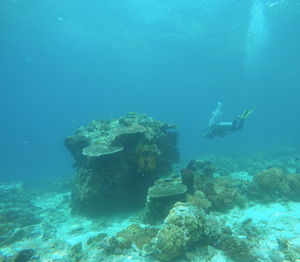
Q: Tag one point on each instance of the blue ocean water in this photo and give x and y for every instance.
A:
(65, 63)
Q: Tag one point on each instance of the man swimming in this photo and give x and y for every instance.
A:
(221, 129)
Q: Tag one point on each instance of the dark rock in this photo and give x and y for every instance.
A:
(187, 177)
(96, 239)
(17, 236)
(201, 167)
(24, 255)
(75, 253)
(236, 248)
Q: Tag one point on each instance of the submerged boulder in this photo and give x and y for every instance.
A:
(117, 161)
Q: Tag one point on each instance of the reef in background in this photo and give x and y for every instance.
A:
(118, 160)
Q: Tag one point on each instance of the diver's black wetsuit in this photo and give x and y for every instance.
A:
(222, 129)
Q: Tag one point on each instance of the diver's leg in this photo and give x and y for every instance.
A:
(237, 124)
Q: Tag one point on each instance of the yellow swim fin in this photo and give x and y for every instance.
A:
(247, 113)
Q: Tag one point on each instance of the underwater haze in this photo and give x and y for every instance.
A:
(65, 63)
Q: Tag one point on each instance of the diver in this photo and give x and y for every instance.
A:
(221, 129)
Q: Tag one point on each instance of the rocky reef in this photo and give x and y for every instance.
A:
(213, 191)
(117, 161)
(198, 214)
(185, 229)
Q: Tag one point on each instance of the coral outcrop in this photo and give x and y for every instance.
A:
(214, 192)
(136, 237)
(183, 228)
(238, 249)
(274, 184)
(118, 160)
(161, 197)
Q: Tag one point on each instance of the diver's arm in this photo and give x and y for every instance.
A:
(209, 133)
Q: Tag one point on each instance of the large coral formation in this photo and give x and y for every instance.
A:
(118, 160)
